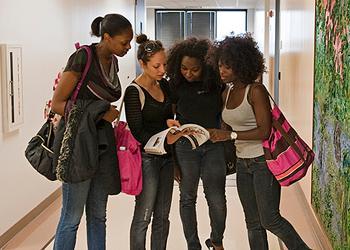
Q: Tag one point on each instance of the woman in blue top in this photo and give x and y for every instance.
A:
(197, 99)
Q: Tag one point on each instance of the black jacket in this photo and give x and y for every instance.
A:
(85, 146)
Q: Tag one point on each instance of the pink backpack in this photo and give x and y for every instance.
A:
(287, 156)
(129, 154)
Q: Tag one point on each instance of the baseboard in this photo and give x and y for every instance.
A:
(22, 223)
(318, 232)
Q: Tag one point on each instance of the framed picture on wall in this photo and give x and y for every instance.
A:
(11, 86)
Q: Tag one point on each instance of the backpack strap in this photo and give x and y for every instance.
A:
(141, 94)
(141, 97)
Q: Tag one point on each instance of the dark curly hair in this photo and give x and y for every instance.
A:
(195, 48)
(241, 54)
(147, 48)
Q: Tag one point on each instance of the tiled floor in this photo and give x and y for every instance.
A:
(120, 210)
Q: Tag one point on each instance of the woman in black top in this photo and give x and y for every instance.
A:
(101, 85)
(157, 170)
(197, 99)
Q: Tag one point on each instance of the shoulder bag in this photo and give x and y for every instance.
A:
(39, 151)
(287, 156)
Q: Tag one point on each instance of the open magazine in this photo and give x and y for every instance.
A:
(155, 144)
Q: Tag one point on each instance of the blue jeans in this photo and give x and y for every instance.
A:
(260, 193)
(206, 162)
(154, 200)
(92, 195)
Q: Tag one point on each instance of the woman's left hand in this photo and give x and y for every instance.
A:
(217, 135)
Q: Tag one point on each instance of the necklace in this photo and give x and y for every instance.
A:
(236, 86)
(230, 85)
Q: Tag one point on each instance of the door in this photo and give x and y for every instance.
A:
(139, 25)
(274, 47)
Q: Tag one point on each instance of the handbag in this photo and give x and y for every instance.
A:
(39, 151)
(129, 160)
(129, 153)
(288, 157)
(230, 156)
(229, 149)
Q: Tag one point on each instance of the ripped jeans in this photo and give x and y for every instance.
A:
(154, 201)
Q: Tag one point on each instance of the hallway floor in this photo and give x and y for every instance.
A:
(120, 210)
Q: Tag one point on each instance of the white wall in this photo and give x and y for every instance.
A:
(297, 69)
(47, 32)
(250, 21)
(259, 28)
(150, 23)
(297, 24)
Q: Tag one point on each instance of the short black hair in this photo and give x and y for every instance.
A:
(241, 54)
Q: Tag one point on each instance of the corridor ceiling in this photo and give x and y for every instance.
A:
(204, 4)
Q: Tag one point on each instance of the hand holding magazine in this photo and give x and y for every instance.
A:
(197, 136)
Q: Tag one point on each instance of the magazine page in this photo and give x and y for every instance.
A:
(155, 144)
(200, 135)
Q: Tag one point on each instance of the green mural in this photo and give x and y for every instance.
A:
(331, 172)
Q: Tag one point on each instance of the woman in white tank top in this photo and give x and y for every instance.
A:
(247, 112)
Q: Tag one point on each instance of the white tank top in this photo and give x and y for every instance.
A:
(242, 118)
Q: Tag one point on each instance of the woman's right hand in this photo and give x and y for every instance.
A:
(217, 135)
(111, 114)
(172, 123)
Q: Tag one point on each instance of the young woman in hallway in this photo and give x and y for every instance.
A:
(197, 99)
(247, 111)
(157, 170)
(116, 33)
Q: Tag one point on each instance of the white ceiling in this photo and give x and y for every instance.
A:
(204, 4)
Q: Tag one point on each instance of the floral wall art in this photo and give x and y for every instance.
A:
(331, 131)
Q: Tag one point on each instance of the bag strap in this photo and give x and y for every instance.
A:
(74, 96)
(141, 97)
(86, 69)
(228, 94)
(270, 96)
(141, 94)
(278, 126)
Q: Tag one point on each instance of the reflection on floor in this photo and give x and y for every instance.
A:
(120, 210)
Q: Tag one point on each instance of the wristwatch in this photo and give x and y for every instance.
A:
(233, 135)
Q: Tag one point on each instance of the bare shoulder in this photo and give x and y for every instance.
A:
(258, 93)
(258, 90)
